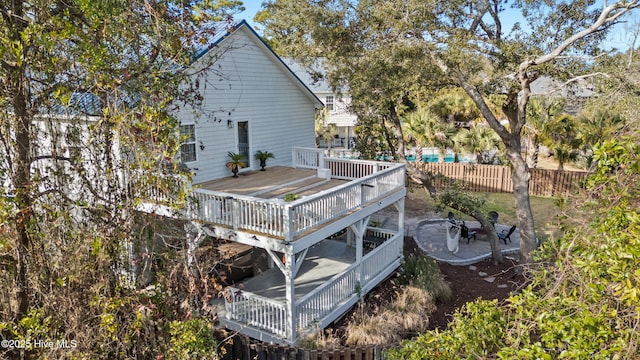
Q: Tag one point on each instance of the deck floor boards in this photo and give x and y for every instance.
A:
(253, 181)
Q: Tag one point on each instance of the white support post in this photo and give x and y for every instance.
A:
(236, 213)
(290, 260)
(321, 160)
(399, 205)
(288, 223)
(359, 228)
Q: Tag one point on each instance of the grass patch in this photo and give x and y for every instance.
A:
(408, 314)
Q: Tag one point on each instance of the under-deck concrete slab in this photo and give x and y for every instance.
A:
(323, 261)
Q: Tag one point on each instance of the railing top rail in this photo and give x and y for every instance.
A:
(327, 283)
(256, 296)
(360, 161)
(308, 149)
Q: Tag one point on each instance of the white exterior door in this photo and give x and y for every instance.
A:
(243, 142)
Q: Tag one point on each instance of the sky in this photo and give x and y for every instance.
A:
(619, 38)
(251, 8)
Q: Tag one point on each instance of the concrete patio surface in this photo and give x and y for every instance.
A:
(431, 237)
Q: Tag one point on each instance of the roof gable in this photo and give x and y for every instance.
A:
(224, 30)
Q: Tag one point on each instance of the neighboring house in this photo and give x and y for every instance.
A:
(308, 214)
(575, 94)
(336, 107)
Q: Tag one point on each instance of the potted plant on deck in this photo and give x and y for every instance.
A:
(263, 156)
(235, 162)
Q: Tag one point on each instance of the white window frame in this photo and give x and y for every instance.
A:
(190, 141)
(329, 102)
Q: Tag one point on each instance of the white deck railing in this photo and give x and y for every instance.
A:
(257, 311)
(266, 314)
(289, 219)
(378, 259)
(322, 301)
(308, 158)
(328, 205)
(239, 212)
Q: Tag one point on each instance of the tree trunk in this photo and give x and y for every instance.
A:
(20, 172)
(520, 176)
(418, 153)
(494, 242)
(534, 155)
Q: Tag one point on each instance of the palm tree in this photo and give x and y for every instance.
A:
(593, 129)
(235, 162)
(413, 127)
(561, 136)
(454, 105)
(324, 130)
(423, 128)
(263, 156)
(539, 111)
(477, 140)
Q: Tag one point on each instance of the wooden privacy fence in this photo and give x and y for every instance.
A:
(497, 178)
(241, 349)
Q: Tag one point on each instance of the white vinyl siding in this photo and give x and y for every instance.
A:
(257, 89)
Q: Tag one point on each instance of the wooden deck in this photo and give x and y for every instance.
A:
(272, 183)
(253, 202)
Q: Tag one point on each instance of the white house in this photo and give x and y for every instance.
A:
(251, 101)
(312, 215)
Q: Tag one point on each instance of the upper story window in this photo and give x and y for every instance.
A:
(188, 147)
(328, 103)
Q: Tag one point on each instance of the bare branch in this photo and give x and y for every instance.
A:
(608, 15)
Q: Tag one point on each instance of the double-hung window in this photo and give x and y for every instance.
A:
(328, 103)
(188, 147)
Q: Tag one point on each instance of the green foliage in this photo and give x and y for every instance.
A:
(235, 160)
(263, 155)
(192, 339)
(288, 197)
(423, 272)
(584, 297)
(476, 332)
(460, 200)
(87, 135)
